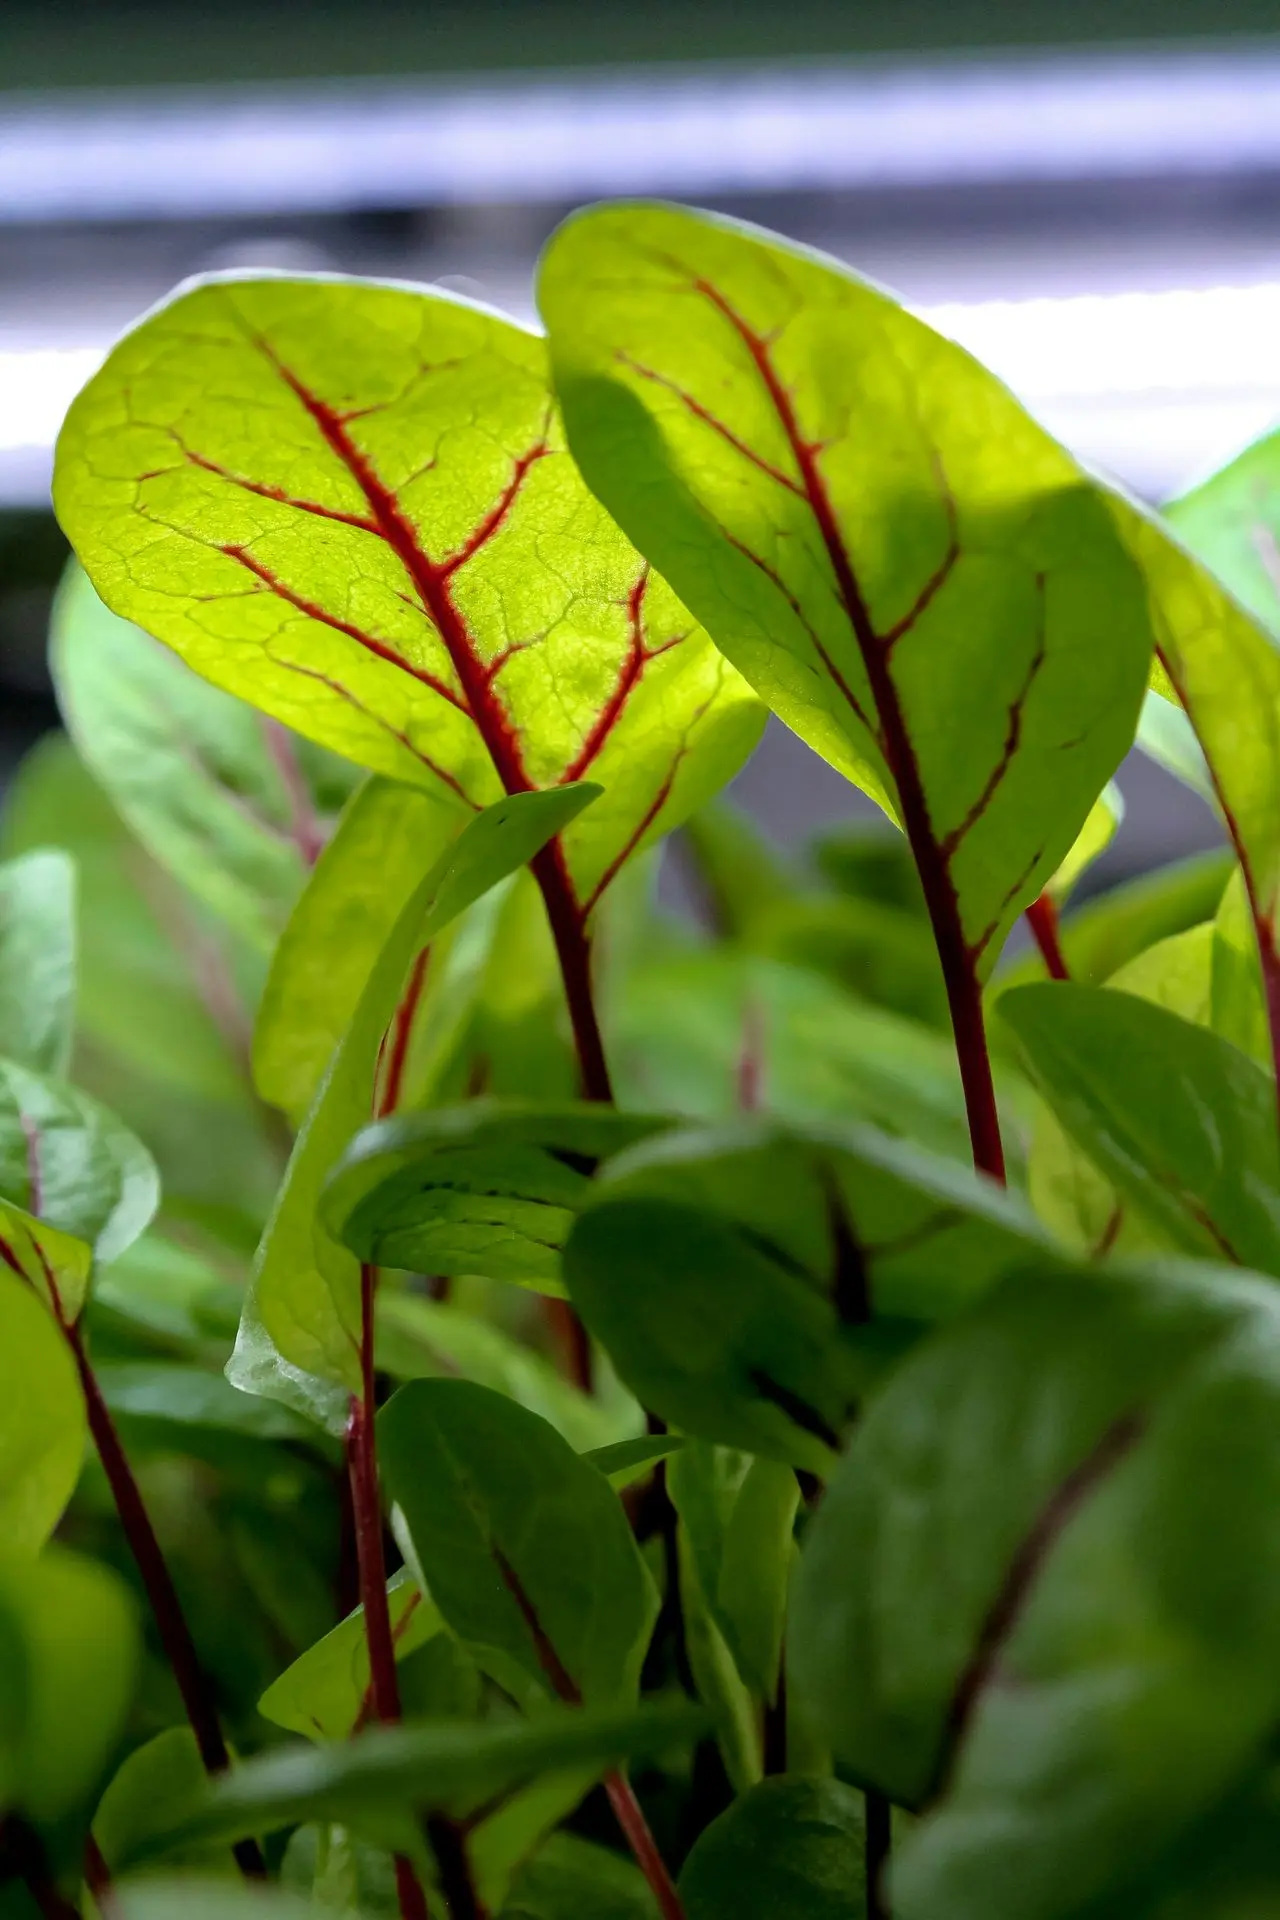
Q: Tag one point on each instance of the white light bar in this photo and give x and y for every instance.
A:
(253, 150)
(1153, 386)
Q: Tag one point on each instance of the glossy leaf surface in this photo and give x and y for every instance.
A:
(303, 1309)
(387, 838)
(1063, 1601)
(790, 1849)
(350, 502)
(226, 800)
(1178, 1119)
(37, 960)
(42, 1419)
(485, 1188)
(748, 1283)
(523, 1546)
(911, 573)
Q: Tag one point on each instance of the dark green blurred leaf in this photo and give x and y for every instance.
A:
(569, 1879)
(790, 1849)
(38, 960)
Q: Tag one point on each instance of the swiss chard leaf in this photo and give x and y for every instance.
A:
(790, 1849)
(301, 1321)
(749, 1283)
(913, 575)
(42, 1420)
(37, 960)
(68, 1165)
(1178, 1119)
(1059, 1512)
(351, 503)
(386, 840)
(224, 799)
(488, 1188)
(377, 1782)
(523, 1546)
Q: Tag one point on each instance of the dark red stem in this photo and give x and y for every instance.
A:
(630, 1817)
(879, 1844)
(97, 1877)
(366, 1504)
(573, 950)
(1042, 918)
(449, 1844)
(964, 997)
(171, 1622)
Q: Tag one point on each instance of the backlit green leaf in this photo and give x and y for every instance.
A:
(1061, 1638)
(487, 1188)
(749, 1283)
(523, 1546)
(323, 1694)
(226, 800)
(1092, 841)
(386, 840)
(912, 574)
(1237, 997)
(161, 1899)
(1179, 1120)
(37, 960)
(303, 1305)
(790, 1849)
(42, 1419)
(349, 501)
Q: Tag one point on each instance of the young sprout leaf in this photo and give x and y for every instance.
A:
(350, 503)
(386, 839)
(38, 960)
(227, 801)
(522, 1544)
(486, 1188)
(1178, 1119)
(42, 1419)
(325, 1693)
(905, 566)
(303, 1305)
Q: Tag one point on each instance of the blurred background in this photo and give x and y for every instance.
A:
(1087, 196)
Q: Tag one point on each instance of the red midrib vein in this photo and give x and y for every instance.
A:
(431, 578)
(935, 876)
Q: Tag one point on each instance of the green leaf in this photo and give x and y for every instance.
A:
(161, 1402)
(375, 1782)
(323, 1694)
(420, 1339)
(1167, 736)
(42, 1420)
(350, 502)
(160, 1783)
(220, 797)
(738, 1513)
(489, 1188)
(739, 873)
(523, 1546)
(302, 1312)
(169, 1298)
(908, 570)
(1237, 997)
(749, 1283)
(1092, 841)
(37, 960)
(717, 1682)
(627, 1461)
(1060, 1511)
(161, 1899)
(1176, 1118)
(569, 1878)
(71, 1631)
(386, 839)
(1230, 522)
(69, 1166)
(790, 1849)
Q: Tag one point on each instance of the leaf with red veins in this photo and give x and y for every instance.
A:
(432, 590)
(903, 564)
